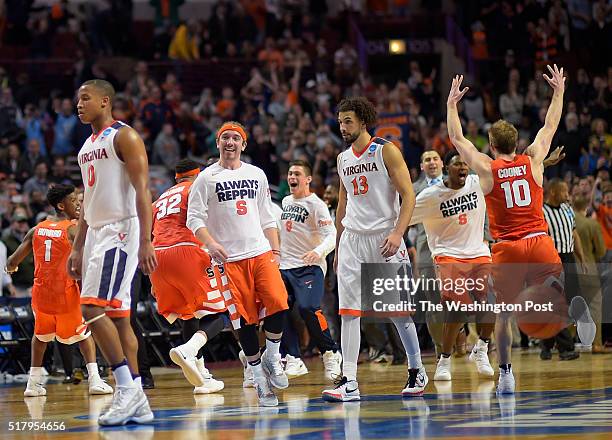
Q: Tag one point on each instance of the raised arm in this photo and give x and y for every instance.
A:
(400, 177)
(538, 150)
(131, 150)
(476, 160)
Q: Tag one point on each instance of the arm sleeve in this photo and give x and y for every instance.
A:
(326, 229)
(197, 208)
(264, 203)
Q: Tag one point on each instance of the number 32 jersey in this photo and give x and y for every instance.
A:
(516, 200)
(170, 217)
(109, 195)
(372, 203)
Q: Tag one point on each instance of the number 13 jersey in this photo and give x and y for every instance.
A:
(515, 203)
(109, 195)
(372, 203)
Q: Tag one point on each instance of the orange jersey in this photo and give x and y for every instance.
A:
(515, 203)
(53, 291)
(170, 217)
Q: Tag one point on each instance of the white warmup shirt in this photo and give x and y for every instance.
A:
(453, 219)
(235, 206)
(306, 226)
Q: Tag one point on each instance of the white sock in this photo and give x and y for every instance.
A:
(36, 372)
(92, 370)
(350, 341)
(138, 382)
(273, 347)
(123, 376)
(410, 340)
(197, 341)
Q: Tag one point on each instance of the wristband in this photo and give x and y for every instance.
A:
(275, 252)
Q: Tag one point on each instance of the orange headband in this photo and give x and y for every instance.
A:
(229, 126)
(189, 173)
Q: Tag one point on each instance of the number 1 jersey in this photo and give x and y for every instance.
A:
(515, 204)
(109, 195)
(372, 203)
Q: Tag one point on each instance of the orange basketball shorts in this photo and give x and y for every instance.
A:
(463, 279)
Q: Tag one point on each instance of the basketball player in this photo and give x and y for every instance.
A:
(453, 215)
(112, 239)
(230, 212)
(512, 184)
(55, 296)
(307, 236)
(371, 227)
(185, 283)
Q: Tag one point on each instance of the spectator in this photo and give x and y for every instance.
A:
(10, 116)
(511, 104)
(166, 149)
(574, 144)
(38, 182)
(156, 112)
(34, 128)
(476, 138)
(12, 237)
(441, 141)
(64, 126)
(185, 43)
(345, 63)
(33, 156)
(14, 165)
(270, 55)
(59, 173)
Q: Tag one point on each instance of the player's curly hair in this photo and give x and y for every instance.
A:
(364, 109)
(58, 192)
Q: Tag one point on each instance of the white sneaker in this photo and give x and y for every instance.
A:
(417, 381)
(332, 363)
(126, 401)
(211, 385)
(97, 385)
(248, 372)
(295, 367)
(345, 391)
(35, 387)
(273, 368)
(187, 363)
(266, 396)
(480, 356)
(443, 369)
(143, 414)
(506, 382)
(585, 326)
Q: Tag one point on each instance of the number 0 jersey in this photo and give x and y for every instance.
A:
(515, 204)
(170, 217)
(109, 195)
(372, 203)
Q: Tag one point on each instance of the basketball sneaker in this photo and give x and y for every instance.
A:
(143, 414)
(345, 391)
(506, 382)
(181, 357)
(266, 396)
(585, 326)
(35, 387)
(126, 401)
(295, 367)
(417, 381)
(273, 368)
(443, 369)
(98, 386)
(332, 362)
(480, 357)
(248, 373)
(211, 385)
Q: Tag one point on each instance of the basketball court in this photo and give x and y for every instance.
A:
(554, 400)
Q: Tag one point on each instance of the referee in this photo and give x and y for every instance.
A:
(562, 228)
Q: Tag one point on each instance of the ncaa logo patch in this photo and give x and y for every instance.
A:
(106, 132)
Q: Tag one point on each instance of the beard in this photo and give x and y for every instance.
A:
(352, 137)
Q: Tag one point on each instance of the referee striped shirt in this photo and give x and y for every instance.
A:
(561, 224)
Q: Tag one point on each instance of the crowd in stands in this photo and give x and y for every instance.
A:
(288, 104)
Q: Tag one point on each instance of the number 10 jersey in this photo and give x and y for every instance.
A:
(372, 203)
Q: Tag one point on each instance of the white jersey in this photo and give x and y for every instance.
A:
(372, 203)
(453, 219)
(306, 226)
(109, 195)
(235, 206)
